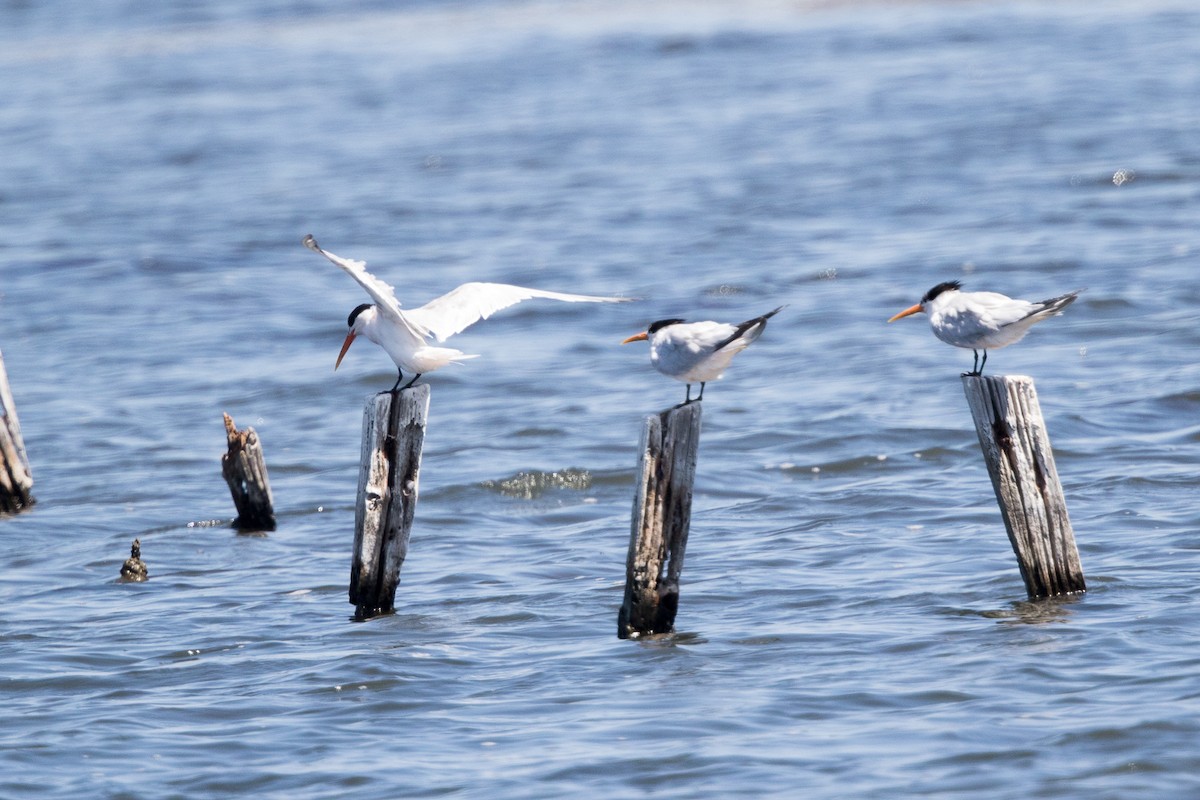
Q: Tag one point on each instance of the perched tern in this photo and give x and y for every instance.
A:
(982, 320)
(698, 352)
(403, 335)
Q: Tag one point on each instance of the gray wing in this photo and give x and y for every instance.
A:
(459, 309)
(997, 311)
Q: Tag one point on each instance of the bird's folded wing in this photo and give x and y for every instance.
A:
(747, 332)
(998, 311)
(383, 294)
(459, 309)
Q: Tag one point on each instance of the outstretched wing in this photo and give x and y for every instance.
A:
(459, 309)
(383, 294)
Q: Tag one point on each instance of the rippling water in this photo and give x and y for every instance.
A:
(852, 620)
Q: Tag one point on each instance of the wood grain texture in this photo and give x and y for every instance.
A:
(661, 518)
(1016, 447)
(245, 471)
(16, 479)
(392, 440)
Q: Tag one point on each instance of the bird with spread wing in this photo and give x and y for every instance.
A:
(405, 335)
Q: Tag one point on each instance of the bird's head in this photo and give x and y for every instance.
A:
(941, 288)
(358, 320)
(654, 328)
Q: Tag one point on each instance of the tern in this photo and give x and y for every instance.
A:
(982, 320)
(698, 352)
(404, 335)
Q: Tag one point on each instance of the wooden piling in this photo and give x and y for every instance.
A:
(662, 513)
(16, 481)
(245, 471)
(393, 435)
(1020, 462)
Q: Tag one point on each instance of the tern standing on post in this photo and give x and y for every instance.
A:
(404, 335)
(698, 352)
(982, 320)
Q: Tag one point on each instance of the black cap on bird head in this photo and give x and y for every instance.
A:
(941, 288)
(354, 314)
(947, 286)
(655, 327)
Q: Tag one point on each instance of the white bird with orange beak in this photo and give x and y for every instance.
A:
(698, 352)
(982, 320)
(404, 335)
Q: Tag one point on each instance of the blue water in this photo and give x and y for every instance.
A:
(852, 621)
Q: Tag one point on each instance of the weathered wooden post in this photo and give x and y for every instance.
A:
(16, 480)
(245, 471)
(393, 435)
(1016, 448)
(662, 512)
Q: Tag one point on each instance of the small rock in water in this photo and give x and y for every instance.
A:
(134, 569)
(532, 485)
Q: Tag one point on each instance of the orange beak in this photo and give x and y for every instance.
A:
(345, 346)
(907, 312)
(637, 337)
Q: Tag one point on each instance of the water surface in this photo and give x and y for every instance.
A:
(852, 622)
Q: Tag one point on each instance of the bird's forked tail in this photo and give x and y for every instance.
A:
(1055, 305)
(749, 330)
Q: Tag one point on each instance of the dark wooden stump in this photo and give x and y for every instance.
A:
(1020, 462)
(393, 436)
(662, 513)
(245, 471)
(134, 569)
(16, 481)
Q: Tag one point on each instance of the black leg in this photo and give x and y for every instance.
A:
(414, 380)
(981, 363)
(701, 397)
(688, 399)
(399, 377)
(975, 365)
